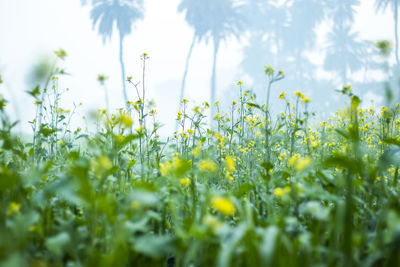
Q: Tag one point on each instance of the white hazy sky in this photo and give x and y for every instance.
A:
(31, 29)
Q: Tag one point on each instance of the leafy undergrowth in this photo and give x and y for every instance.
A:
(249, 191)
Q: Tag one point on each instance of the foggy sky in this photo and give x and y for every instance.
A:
(30, 30)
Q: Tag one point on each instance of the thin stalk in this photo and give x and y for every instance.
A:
(121, 61)
(214, 80)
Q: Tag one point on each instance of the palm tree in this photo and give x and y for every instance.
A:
(257, 14)
(122, 14)
(394, 4)
(279, 34)
(193, 19)
(216, 20)
(345, 52)
(300, 34)
(342, 11)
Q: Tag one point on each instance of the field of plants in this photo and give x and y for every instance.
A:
(252, 190)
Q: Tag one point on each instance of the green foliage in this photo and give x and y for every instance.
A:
(252, 191)
(384, 47)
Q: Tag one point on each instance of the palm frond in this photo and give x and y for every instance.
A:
(121, 13)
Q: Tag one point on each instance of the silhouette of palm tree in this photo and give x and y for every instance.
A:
(259, 14)
(300, 32)
(281, 33)
(342, 11)
(394, 4)
(122, 14)
(299, 37)
(212, 19)
(345, 52)
(279, 36)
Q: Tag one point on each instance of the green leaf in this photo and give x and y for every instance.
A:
(46, 131)
(391, 141)
(268, 245)
(57, 243)
(144, 197)
(35, 92)
(254, 105)
(227, 248)
(355, 102)
(153, 246)
(343, 133)
(244, 189)
(183, 168)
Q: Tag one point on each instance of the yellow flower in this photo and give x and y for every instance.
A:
(196, 109)
(185, 181)
(101, 165)
(269, 70)
(120, 138)
(223, 205)
(278, 192)
(13, 208)
(314, 144)
(126, 120)
(207, 166)
(287, 189)
(175, 167)
(140, 129)
(165, 168)
(144, 56)
(229, 176)
(197, 150)
(293, 159)
(299, 94)
(135, 205)
(105, 162)
(230, 164)
(179, 116)
(301, 164)
(282, 95)
(212, 222)
(61, 53)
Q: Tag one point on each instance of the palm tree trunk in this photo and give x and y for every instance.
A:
(396, 27)
(214, 79)
(182, 93)
(121, 61)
